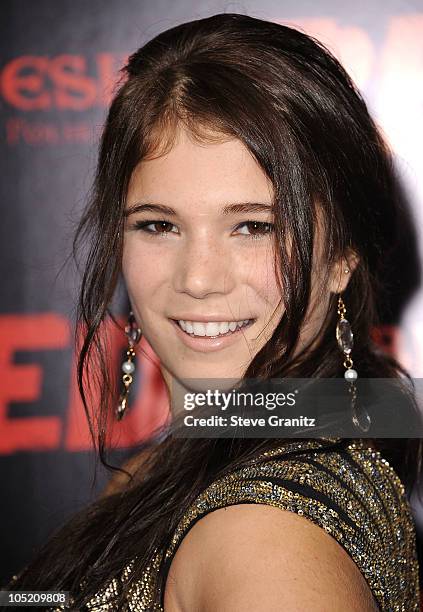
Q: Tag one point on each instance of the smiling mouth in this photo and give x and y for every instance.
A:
(230, 332)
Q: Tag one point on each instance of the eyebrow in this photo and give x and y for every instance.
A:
(228, 209)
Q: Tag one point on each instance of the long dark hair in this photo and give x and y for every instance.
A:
(285, 96)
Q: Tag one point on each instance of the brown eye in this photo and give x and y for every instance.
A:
(160, 227)
(257, 229)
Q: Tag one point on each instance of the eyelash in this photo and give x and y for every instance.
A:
(142, 225)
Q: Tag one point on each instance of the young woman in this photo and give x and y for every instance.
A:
(248, 199)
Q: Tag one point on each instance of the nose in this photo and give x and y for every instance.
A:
(203, 267)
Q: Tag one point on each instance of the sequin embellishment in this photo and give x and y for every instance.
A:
(353, 494)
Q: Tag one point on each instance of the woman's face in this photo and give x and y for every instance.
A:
(206, 262)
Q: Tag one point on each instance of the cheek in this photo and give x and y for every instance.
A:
(141, 274)
(262, 278)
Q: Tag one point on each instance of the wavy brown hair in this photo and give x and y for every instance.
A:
(286, 97)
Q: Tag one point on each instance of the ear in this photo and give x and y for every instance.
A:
(342, 271)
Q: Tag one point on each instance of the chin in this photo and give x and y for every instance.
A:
(199, 379)
(205, 372)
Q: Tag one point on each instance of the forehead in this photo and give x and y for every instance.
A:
(217, 170)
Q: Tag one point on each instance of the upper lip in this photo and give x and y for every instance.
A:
(207, 318)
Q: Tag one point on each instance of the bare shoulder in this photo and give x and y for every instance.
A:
(258, 557)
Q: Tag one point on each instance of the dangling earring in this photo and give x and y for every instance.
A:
(133, 333)
(345, 339)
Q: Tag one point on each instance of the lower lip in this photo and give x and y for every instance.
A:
(205, 344)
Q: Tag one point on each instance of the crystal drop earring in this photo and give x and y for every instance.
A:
(345, 339)
(133, 333)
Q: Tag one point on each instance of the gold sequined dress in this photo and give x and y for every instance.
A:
(349, 490)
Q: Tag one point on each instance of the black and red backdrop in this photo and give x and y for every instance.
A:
(59, 63)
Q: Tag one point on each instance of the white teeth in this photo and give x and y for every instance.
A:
(212, 328)
(199, 329)
(223, 327)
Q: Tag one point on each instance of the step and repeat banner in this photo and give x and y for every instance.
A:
(59, 64)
